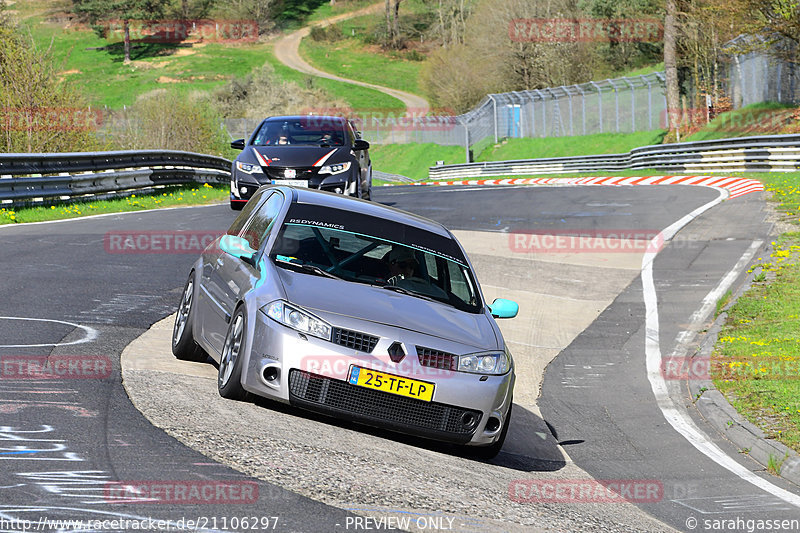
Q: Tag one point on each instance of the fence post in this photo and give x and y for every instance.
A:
(533, 113)
(600, 103)
(569, 95)
(521, 114)
(466, 139)
(649, 103)
(494, 112)
(544, 113)
(616, 104)
(633, 104)
(583, 105)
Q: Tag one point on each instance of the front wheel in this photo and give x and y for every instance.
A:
(184, 346)
(366, 189)
(229, 380)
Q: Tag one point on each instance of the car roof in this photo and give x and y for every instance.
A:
(338, 201)
(306, 117)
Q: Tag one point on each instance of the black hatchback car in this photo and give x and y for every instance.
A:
(318, 152)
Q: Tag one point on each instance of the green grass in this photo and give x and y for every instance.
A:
(758, 119)
(658, 67)
(168, 197)
(413, 160)
(349, 58)
(106, 80)
(757, 356)
(599, 143)
(356, 97)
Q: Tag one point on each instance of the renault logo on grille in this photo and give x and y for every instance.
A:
(396, 352)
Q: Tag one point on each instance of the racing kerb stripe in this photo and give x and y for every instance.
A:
(735, 186)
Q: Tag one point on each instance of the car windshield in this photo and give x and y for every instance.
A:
(366, 249)
(311, 131)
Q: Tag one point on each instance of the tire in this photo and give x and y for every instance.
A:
(236, 206)
(229, 378)
(367, 194)
(184, 346)
(490, 452)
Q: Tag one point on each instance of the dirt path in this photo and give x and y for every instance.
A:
(287, 52)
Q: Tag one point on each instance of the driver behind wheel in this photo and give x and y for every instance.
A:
(402, 263)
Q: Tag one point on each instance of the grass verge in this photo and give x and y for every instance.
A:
(413, 160)
(599, 143)
(756, 362)
(172, 196)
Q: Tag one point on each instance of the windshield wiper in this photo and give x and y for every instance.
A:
(401, 290)
(310, 269)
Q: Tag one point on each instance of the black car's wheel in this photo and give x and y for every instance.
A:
(229, 380)
(491, 451)
(366, 192)
(184, 346)
(237, 206)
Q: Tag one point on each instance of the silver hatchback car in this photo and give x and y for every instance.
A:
(352, 309)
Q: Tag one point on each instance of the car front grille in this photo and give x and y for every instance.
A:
(279, 173)
(398, 412)
(354, 339)
(437, 358)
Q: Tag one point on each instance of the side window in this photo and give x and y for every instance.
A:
(258, 227)
(351, 135)
(248, 209)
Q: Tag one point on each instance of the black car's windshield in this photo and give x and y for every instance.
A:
(311, 131)
(367, 249)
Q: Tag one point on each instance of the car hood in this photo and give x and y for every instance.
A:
(300, 156)
(373, 304)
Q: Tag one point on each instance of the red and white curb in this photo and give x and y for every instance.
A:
(735, 186)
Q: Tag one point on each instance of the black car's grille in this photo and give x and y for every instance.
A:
(341, 397)
(279, 173)
(437, 358)
(355, 340)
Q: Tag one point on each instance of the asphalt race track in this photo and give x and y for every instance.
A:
(70, 444)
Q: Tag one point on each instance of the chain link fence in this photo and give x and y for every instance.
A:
(757, 75)
(627, 104)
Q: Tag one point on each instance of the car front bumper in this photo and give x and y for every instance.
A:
(313, 374)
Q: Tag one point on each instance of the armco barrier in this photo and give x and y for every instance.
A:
(769, 153)
(33, 178)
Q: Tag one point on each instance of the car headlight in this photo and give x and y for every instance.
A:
(495, 363)
(336, 168)
(247, 168)
(297, 319)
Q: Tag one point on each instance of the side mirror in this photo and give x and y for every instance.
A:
(238, 144)
(237, 247)
(502, 308)
(360, 144)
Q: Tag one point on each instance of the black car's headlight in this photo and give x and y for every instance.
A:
(494, 363)
(247, 168)
(336, 168)
(297, 319)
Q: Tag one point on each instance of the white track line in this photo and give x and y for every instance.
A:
(677, 417)
(90, 333)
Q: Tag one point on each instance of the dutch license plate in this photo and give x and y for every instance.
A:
(292, 183)
(371, 379)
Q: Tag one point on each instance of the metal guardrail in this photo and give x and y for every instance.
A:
(767, 153)
(33, 178)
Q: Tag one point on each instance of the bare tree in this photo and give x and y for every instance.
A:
(671, 64)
